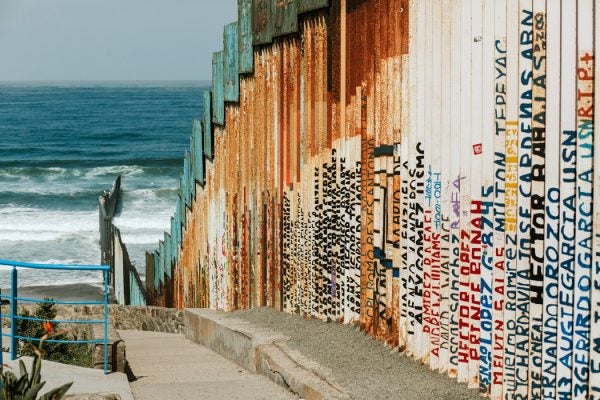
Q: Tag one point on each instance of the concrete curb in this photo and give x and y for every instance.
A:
(260, 351)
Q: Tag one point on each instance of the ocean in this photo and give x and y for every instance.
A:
(63, 144)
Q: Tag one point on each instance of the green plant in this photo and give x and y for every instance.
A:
(28, 385)
(66, 353)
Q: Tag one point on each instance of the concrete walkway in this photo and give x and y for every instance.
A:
(85, 380)
(168, 366)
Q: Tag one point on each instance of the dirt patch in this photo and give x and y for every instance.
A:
(362, 366)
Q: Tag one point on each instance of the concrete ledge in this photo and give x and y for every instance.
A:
(88, 383)
(260, 351)
(116, 350)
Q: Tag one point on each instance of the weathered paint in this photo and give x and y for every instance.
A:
(284, 14)
(399, 179)
(231, 77)
(198, 152)
(311, 5)
(182, 212)
(207, 131)
(174, 243)
(159, 273)
(245, 49)
(218, 87)
(261, 22)
(185, 180)
(177, 222)
(168, 252)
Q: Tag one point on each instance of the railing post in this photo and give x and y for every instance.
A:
(106, 321)
(13, 313)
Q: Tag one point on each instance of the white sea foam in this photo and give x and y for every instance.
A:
(149, 239)
(71, 236)
(140, 222)
(33, 220)
(124, 170)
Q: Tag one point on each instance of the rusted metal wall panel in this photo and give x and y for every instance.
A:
(231, 69)
(245, 49)
(156, 260)
(151, 259)
(159, 278)
(262, 25)
(311, 5)
(218, 87)
(399, 179)
(284, 14)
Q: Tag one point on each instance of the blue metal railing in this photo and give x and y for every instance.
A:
(15, 299)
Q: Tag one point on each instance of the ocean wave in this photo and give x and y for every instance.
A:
(41, 165)
(148, 196)
(123, 170)
(34, 220)
(137, 223)
(44, 236)
(23, 172)
(139, 239)
(56, 172)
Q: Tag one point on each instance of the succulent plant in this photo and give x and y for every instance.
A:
(28, 385)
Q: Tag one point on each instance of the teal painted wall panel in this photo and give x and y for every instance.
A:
(186, 179)
(285, 17)
(207, 124)
(156, 268)
(136, 298)
(198, 152)
(178, 221)
(182, 213)
(231, 70)
(218, 101)
(261, 22)
(174, 235)
(161, 264)
(245, 49)
(169, 246)
(191, 177)
(310, 5)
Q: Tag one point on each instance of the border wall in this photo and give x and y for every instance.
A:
(421, 168)
(125, 280)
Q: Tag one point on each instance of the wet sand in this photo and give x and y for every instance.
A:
(70, 292)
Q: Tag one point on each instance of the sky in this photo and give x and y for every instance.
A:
(57, 40)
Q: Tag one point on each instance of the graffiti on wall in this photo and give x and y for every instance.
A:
(435, 186)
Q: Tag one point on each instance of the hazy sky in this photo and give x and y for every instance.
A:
(111, 39)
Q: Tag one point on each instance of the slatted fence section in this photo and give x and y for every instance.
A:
(423, 169)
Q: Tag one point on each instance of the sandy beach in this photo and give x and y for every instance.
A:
(68, 292)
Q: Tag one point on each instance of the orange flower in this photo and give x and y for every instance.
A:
(48, 327)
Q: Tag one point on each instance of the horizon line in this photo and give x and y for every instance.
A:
(207, 81)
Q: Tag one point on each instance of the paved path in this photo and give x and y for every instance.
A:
(85, 380)
(168, 366)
